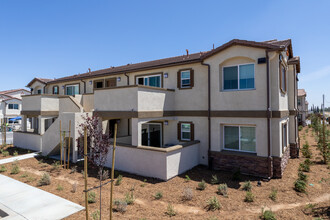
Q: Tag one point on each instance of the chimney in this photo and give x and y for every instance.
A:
(187, 52)
(213, 46)
(89, 70)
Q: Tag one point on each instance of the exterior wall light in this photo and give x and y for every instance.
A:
(90, 82)
(165, 75)
(118, 79)
(165, 122)
(63, 87)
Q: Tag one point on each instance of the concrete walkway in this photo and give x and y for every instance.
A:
(21, 157)
(22, 201)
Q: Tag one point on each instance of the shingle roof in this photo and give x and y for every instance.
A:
(178, 60)
(42, 80)
(301, 92)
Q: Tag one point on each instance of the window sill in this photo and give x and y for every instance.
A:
(236, 90)
(183, 88)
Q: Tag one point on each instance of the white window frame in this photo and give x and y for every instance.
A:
(73, 85)
(181, 136)
(239, 136)
(13, 106)
(238, 65)
(148, 76)
(181, 79)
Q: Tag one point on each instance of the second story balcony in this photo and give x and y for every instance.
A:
(41, 104)
(133, 101)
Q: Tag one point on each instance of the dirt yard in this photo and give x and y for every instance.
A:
(289, 204)
(10, 151)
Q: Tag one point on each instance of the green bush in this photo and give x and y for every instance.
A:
(308, 162)
(302, 176)
(304, 167)
(91, 197)
(158, 195)
(15, 169)
(267, 215)
(119, 180)
(129, 198)
(96, 215)
(223, 190)
(5, 153)
(45, 180)
(24, 175)
(300, 185)
(300, 127)
(273, 194)
(144, 183)
(120, 205)
(187, 178)
(170, 210)
(214, 180)
(249, 197)
(59, 188)
(15, 153)
(201, 185)
(213, 204)
(247, 186)
(3, 168)
(56, 165)
(306, 152)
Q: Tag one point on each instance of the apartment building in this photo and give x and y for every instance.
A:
(233, 107)
(302, 107)
(11, 106)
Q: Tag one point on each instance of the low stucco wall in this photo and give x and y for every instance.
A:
(153, 163)
(28, 141)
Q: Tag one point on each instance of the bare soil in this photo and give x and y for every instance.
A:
(289, 204)
(13, 151)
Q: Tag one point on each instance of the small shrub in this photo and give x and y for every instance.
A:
(188, 194)
(300, 185)
(119, 180)
(170, 210)
(300, 127)
(56, 166)
(247, 186)
(223, 190)
(309, 126)
(249, 197)
(214, 180)
(73, 169)
(158, 195)
(120, 205)
(74, 188)
(132, 188)
(304, 167)
(306, 152)
(201, 185)
(3, 168)
(213, 218)
(144, 183)
(44, 180)
(213, 204)
(302, 176)
(59, 188)
(30, 179)
(237, 175)
(15, 169)
(5, 153)
(91, 197)
(129, 198)
(187, 179)
(40, 161)
(96, 215)
(267, 215)
(15, 153)
(24, 175)
(273, 194)
(308, 162)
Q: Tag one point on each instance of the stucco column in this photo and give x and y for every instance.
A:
(41, 126)
(24, 123)
(136, 132)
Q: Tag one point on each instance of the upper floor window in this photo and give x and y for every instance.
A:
(238, 77)
(55, 90)
(39, 91)
(111, 82)
(13, 106)
(282, 78)
(185, 79)
(150, 80)
(72, 89)
(185, 131)
(299, 101)
(240, 138)
(98, 84)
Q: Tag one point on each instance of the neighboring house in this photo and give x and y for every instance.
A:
(11, 106)
(302, 107)
(230, 108)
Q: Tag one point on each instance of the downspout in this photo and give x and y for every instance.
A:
(127, 78)
(210, 160)
(84, 86)
(270, 159)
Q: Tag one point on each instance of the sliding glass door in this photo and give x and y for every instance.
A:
(152, 134)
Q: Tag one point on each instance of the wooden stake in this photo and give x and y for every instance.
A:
(113, 169)
(85, 171)
(61, 141)
(64, 149)
(69, 144)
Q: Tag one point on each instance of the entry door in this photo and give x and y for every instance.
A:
(152, 134)
(112, 127)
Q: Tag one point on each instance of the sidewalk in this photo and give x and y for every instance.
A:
(22, 201)
(21, 157)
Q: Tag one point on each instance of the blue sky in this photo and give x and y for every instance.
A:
(43, 38)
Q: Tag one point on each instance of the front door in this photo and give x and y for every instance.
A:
(112, 127)
(152, 134)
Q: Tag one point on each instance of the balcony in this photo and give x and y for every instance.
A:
(34, 105)
(133, 101)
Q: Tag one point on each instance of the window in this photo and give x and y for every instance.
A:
(240, 138)
(185, 79)
(185, 131)
(299, 101)
(72, 89)
(150, 80)
(238, 77)
(55, 90)
(284, 136)
(282, 78)
(39, 91)
(13, 106)
(98, 84)
(111, 82)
